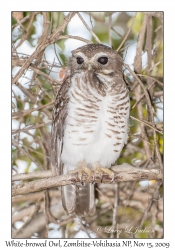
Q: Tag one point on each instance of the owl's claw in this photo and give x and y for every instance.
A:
(113, 177)
(99, 171)
(93, 179)
(82, 170)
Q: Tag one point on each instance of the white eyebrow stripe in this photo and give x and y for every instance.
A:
(100, 54)
(80, 54)
(86, 59)
(92, 59)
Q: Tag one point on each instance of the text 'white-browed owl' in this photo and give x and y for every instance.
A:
(90, 121)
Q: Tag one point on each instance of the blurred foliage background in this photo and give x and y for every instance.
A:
(124, 210)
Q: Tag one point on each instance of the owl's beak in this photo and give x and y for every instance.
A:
(89, 66)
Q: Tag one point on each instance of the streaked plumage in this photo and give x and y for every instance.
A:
(90, 119)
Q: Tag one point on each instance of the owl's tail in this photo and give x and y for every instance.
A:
(79, 199)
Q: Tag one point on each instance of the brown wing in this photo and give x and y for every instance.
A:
(59, 116)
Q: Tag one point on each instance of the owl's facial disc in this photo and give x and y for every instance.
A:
(97, 62)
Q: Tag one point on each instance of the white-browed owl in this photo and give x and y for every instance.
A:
(90, 121)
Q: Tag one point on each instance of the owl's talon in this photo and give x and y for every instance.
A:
(113, 177)
(100, 171)
(81, 171)
(80, 177)
(93, 179)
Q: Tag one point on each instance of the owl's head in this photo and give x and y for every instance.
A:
(96, 57)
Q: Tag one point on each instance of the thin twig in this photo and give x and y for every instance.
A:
(151, 201)
(116, 32)
(32, 66)
(109, 30)
(152, 78)
(156, 64)
(75, 37)
(31, 127)
(114, 217)
(142, 96)
(19, 22)
(48, 215)
(127, 34)
(25, 152)
(150, 110)
(41, 47)
(17, 115)
(138, 68)
(146, 123)
(35, 196)
(28, 176)
(92, 33)
(148, 48)
(26, 33)
(35, 210)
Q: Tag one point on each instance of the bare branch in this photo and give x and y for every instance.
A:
(41, 47)
(33, 98)
(158, 14)
(19, 22)
(142, 96)
(16, 115)
(31, 127)
(122, 173)
(127, 34)
(151, 113)
(76, 38)
(138, 68)
(36, 174)
(114, 217)
(35, 196)
(26, 33)
(38, 222)
(92, 33)
(151, 78)
(147, 124)
(19, 62)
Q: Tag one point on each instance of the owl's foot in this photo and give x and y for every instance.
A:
(82, 170)
(100, 171)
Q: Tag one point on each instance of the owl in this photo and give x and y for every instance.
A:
(90, 122)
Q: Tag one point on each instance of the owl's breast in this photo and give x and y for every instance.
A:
(96, 125)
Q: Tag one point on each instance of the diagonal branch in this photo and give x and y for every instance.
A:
(41, 47)
(92, 33)
(146, 123)
(150, 110)
(127, 34)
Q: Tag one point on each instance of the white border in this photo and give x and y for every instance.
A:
(5, 96)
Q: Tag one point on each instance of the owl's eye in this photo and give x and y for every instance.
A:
(80, 60)
(103, 60)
